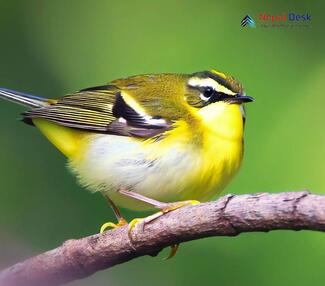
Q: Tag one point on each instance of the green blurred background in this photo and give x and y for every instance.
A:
(54, 47)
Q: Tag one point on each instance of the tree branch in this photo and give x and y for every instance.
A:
(228, 216)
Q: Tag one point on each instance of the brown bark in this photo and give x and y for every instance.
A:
(228, 216)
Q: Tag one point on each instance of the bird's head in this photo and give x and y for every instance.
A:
(209, 87)
(216, 99)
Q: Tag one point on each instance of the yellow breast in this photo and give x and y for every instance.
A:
(198, 157)
(222, 147)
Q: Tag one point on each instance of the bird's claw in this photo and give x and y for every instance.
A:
(169, 207)
(111, 225)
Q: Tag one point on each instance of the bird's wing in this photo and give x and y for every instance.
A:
(101, 109)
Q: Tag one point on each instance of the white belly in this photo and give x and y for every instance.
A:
(112, 162)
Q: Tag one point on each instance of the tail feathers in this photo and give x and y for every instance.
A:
(23, 98)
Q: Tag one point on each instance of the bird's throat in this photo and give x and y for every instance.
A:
(223, 120)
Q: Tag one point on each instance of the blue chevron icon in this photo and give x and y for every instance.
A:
(248, 21)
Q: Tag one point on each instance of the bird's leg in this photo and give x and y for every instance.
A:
(164, 208)
(120, 219)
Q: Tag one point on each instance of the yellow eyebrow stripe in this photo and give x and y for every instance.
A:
(219, 73)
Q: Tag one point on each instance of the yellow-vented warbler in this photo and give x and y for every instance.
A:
(158, 140)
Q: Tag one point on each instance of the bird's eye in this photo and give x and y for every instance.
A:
(208, 92)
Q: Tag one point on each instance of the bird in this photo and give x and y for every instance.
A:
(151, 141)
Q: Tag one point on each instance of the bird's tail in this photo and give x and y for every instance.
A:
(23, 98)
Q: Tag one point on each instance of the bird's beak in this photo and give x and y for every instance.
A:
(241, 98)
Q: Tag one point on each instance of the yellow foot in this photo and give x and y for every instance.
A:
(134, 222)
(111, 225)
(144, 221)
(166, 209)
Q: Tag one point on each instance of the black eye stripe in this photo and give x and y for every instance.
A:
(201, 96)
(219, 96)
(214, 95)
